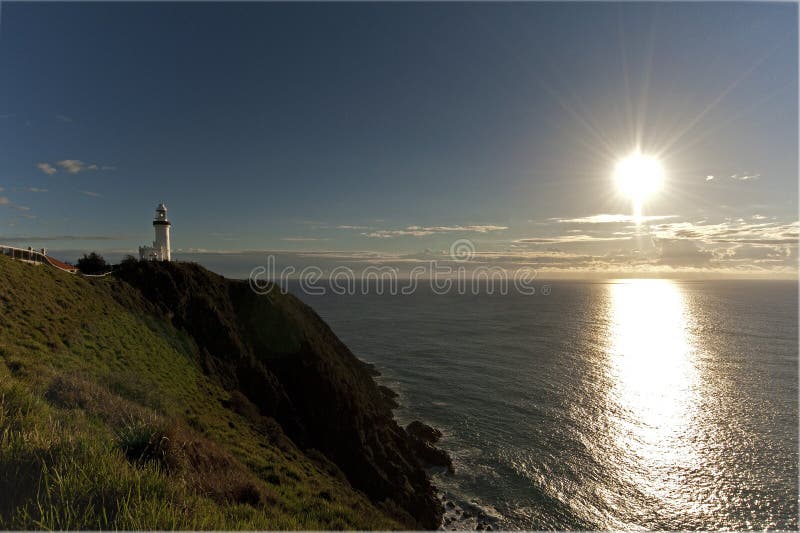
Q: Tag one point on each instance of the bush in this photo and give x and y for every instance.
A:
(93, 264)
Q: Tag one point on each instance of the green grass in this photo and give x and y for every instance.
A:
(107, 421)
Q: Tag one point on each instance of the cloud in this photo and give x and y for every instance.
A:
(47, 168)
(745, 177)
(748, 252)
(35, 189)
(424, 231)
(610, 219)
(76, 166)
(709, 177)
(730, 231)
(5, 201)
(389, 234)
(64, 118)
(347, 226)
(569, 239)
(92, 194)
(682, 252)
(302, 239)
(669, 257)
(470, 229)
(787, 240)
(73, 166)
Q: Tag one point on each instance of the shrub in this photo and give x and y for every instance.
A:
(93, 264)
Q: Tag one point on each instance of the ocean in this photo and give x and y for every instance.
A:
(617, 404)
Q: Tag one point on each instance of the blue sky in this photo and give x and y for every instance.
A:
(393, 129)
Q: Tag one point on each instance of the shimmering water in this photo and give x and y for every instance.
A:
(621, 404)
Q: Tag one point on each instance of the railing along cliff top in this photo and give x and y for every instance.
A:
(35, 256)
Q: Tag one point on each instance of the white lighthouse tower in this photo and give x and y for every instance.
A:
(160, 251)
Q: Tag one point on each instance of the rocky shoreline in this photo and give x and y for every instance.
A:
(466, 516)
(457, 516)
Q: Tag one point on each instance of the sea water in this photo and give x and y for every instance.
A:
(617, 404)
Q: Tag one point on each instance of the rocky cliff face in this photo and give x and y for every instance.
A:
(280, 357)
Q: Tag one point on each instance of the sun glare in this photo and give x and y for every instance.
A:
(638, 176)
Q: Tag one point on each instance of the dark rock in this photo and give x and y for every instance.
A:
(389, 396)
(450, 505)
(370, 368)
(423, 437)
(423, 432)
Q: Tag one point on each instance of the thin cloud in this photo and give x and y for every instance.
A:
(63, 118)
(682, 253)
(5, 201)
(47, 168)
(786, 240)
(92, 194)
(302, 239)
(731, 231)
(568, 239)
(611, 219)
(73, 166)
(389, 234)
(76, 166)
(470, 229)
(35, 189)
(745, 177)
(424, 231)
(709, 177)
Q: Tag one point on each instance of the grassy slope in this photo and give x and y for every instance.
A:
(107, 421)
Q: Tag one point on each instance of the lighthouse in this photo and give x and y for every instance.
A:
(160, 251)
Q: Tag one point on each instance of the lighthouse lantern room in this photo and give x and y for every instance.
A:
(160, 251)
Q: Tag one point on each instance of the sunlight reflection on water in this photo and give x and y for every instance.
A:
(655, 384)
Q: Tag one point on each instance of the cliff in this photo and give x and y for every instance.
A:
(166, 396)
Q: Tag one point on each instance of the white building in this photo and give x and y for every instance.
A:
(160, 251)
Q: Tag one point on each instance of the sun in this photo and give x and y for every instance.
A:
(638, 176)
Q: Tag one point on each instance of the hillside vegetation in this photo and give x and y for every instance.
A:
(167, 397)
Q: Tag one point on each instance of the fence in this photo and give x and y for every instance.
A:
(30, 255)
